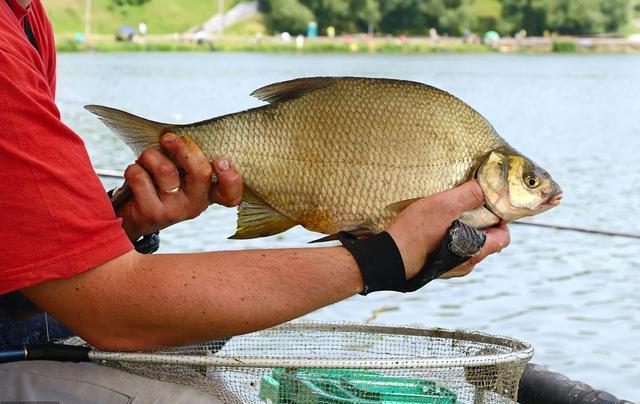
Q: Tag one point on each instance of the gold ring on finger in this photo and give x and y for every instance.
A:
(173, 190)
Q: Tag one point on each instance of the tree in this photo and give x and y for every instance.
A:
(449, 16)
(417, 16)
(345, 15)
(618, 13)
(566, 16)
(407, 16)
(530, 15)
(489, 16)
(367, 13)
(331, 12)
(457, 17)
(287, 15)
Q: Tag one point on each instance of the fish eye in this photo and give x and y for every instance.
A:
(531, 180)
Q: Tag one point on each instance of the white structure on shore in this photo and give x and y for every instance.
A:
(241, 11)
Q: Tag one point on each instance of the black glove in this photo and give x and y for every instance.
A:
(382, 267)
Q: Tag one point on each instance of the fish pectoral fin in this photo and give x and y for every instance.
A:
(359, 233)
(288, 90)
(400, 206)
(256, 218)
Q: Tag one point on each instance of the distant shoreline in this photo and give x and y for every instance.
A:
(356, 44)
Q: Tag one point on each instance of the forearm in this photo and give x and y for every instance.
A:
(141, 302)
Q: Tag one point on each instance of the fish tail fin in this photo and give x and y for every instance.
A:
(138, 133)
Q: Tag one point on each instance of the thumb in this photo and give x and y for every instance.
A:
(465, 197)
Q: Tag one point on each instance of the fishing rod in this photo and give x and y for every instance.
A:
(581, 229)
(104, 173)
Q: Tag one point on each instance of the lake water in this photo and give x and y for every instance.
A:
(574, 296)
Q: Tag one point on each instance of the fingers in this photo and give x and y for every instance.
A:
(463, 269)
(142, 186)
(198, 173)
(144, 195)
(197, 170)
(227, 190)
(498, 237)
(465, 197)
(162, 169)
(419, 229)
(162, 198)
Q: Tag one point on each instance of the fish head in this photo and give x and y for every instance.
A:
(515, 186)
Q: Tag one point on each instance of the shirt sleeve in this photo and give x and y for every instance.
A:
(55, 218)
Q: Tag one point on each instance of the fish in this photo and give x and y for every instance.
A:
(349, 153)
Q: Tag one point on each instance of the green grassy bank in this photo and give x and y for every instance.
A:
(161, 16)
(268, 44)
(249, 44)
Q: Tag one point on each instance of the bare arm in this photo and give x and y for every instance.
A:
(141, 302)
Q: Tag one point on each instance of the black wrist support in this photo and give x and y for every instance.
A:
(382, 267)
(379, 261)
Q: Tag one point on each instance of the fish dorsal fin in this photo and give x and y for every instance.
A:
(288, 90)
(400, 206)
(256, 218)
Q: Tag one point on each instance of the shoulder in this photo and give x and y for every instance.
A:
(22, 64)
(39, 15)
(43, 31)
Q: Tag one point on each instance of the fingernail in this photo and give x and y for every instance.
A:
(169, 137)
(223, 165)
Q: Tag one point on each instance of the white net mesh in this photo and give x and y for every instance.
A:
(342, 363)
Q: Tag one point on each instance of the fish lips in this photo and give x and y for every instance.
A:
(551, 201)
(554, 200)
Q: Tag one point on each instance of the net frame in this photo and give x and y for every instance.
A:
(473, 366)
(522, 351)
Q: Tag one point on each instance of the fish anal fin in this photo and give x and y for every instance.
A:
(256, 218)
(288, 90)
(359, 233)
(401, 205)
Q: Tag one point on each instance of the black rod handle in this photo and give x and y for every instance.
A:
(54, 352)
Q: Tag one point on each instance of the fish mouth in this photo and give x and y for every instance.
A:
(554, 200)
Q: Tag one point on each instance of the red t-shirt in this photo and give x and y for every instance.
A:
(55, 218)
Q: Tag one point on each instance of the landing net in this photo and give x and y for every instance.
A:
(342, 363)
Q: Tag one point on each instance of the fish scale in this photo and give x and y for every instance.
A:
(333, 154)
(386, 140)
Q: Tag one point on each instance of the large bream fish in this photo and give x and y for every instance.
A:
(349, 153)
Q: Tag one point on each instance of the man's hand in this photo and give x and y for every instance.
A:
(162, 197)
(419, 229)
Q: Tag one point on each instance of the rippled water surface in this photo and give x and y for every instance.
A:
(574, 296)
